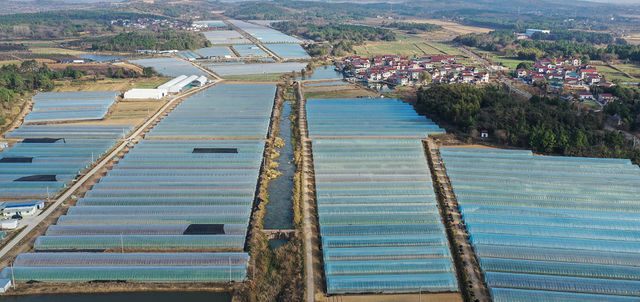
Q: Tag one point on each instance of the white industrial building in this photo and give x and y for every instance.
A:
(172, 82)
(23, 208)
(5, 284)
(199, 82)
(179, 87)
(145, 93)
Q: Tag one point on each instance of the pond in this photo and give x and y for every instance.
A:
(124, 297)
(322, 73)
(103, 58)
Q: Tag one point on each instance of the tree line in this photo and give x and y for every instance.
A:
(133, 41)
(428, 27)
(545, 125)
(336, 32)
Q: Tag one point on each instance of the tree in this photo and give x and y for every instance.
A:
(207, 43)
(621, 41)
(148, 72)
(585, 59)
(424, 77)
(525, 65)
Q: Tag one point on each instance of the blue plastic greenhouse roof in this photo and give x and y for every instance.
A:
(38, 168)
(170, 66)
(366, 118)
(289, 51)
(264, 34)
(70, 106)
(223, 111)
(381, 231)
(549, 228)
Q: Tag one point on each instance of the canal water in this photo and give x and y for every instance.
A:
(124, 297)
(279, 214)
(322, 73)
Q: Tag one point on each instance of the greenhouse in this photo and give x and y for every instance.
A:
(40, 168)
(225, 70)
(165, 194)
(127, 273)
(223, 111)
(61, 133)
(366, 118)
(170, 67)
(70, 106)
(289, 51)
(549, 228)
(129, 259)
(215, 52)
(264, 34)
(250, 50)
(379, 222)
(225, 37)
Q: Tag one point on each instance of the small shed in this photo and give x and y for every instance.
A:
(4, 145)
(9, 224)
(5, 284)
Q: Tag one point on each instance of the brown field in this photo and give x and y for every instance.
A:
(129, 113)
(130, 66)
(352, 93)
(426, 297)
(101, 85)
(56, 50)
(450, 31)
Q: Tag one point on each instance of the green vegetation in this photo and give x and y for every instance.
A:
(334, 32)
(397, 48)
(545, 125)
(132, 41)
(415, 27)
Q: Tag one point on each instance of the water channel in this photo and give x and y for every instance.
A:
(279, 214)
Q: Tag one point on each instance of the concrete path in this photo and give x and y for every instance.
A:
(474, 274)
(306, 158)
(96, 168)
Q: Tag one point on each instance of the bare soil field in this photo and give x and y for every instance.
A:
(129, 113)
(351, 93)
(102, 85)
(450, 31)
(129, 66)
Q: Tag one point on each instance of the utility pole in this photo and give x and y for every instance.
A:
(229, 269)
(122, 243)
(13, 279)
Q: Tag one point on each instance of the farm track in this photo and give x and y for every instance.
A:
(471, 266)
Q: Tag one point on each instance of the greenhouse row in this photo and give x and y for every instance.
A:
(289, 51)
(380, 225)
(225, 37)
(40, 168)
(250, 50)
(215, 51)
(60, 134)
(366, 118)
(70, 106)
(169, 194)
(170, 67)
(223, 111)
(76, 95)
(224, 70)
(264, 34)
(548, 228)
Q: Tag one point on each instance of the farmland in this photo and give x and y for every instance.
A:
(380, 48)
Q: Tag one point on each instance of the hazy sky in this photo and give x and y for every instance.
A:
(616, 1)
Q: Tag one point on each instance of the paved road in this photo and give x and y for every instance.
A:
(38, 219)
(471, 265)
(627, 135)
(501, 78)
